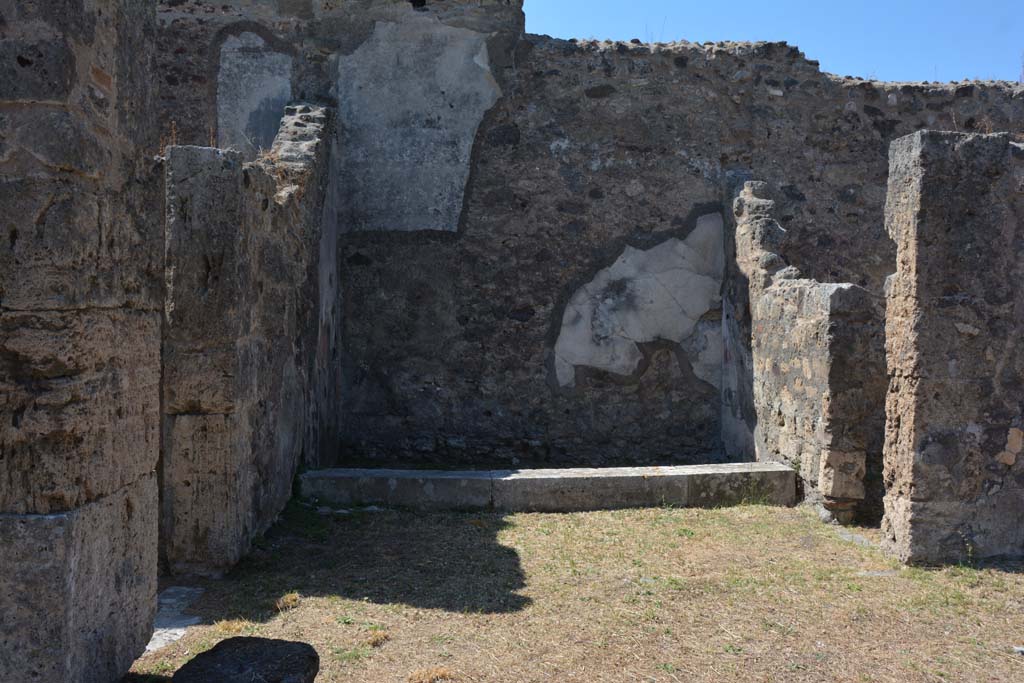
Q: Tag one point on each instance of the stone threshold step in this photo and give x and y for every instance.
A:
(555, 490)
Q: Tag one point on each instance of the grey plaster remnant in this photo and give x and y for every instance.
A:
(658, 294)
(410, 100)
(171, 621)
(254, 83)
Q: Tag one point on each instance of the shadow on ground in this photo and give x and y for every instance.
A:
(444, 561)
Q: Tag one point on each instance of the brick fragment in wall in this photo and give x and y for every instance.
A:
(954, 483)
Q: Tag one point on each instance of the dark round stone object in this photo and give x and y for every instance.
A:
(244, 660)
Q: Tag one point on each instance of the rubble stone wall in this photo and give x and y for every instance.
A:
(954, 438)
(452, 318)
(80, 267)
(243, 338)
(817, 368)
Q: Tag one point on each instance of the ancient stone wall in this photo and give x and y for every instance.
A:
(79, 339)
(954, 439)
(476, 214)
(817, 360)
(244, 337)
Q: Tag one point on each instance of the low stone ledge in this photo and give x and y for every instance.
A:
(556, 490)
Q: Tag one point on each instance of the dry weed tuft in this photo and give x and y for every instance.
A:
(378, 638)
(287, 601)
(234, 626)
(438, 674)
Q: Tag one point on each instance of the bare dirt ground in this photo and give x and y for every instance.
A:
(742, 594)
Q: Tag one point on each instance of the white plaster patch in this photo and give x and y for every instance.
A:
(254, 83)
(410, 101)
(657, 294)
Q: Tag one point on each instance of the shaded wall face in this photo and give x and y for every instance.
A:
(954, 448)
(246, 393)
(79, 339)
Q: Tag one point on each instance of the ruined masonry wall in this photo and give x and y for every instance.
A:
(455, 319)
(245, 338)
(79, 339)
(819, 388)
(817, 368)
(954, 437)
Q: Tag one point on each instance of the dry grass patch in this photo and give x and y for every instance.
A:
(742, 594)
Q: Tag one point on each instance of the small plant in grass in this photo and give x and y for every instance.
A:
(162, 667)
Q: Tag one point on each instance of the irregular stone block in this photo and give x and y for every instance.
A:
(79, 406)
(243, 660)
(78, 588)
(206, 520)
(72, 245)
(954, 409)
(842, 475)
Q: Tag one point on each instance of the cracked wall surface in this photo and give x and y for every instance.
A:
(954, 471)
(79, 339)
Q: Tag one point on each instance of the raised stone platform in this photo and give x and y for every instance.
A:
(555, 490)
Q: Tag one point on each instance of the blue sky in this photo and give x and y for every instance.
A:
(898, 40)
